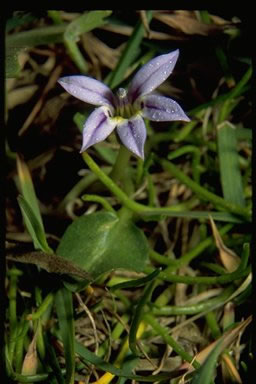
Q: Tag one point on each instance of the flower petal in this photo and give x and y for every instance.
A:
(97, 127)
(87, 89)
(133, 134)
(152, 74)
(160, 108)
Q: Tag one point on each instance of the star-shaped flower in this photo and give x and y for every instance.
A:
(125, 110)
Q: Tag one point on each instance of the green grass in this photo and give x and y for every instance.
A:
(184, 300)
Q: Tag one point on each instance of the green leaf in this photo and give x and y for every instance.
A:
(17, 42)
(34, 227)
(37, 36)
(30, 208)
(230, 173)
(27, 188)
(107, 367)
(82, 24)
(64, 308)
(204, 375)
(86, 23)
(50, 35)
(101, 242)
(50, 262)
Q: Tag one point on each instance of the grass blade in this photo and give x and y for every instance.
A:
(31, 38)
(27, 188)
(29, 207)
(107, 367)
(139, 314)
(53, 362)
(128, 53)
(230, 174)
(34, 227)
(64, 308)
(80, 25)
(137, 282)
(205, 372)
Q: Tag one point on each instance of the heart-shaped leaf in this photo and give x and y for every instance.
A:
(102, 242)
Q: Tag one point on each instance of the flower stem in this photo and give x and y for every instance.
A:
(120, 167)
(112, 186)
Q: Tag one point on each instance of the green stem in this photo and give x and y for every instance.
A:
(160, 259)
(15, 273)
(220, 99)
(111, 185)
(22, 332)
(196, 155)
(182, 151)
(185, 131)
(216, 268)
(82, 184)
(101, 200)
(165, 297)
(120, 167)
(40, 339)
(43, 307)
(115, 335)
(223, 279)
(225, 109)
(240, 85)
(56, 17)
(203, 192)
(170, 310)
(196, 251)
(12, 344)
(140, 209)
(169, 339)
(213, 324)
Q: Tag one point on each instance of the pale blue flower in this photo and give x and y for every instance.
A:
(125, 110)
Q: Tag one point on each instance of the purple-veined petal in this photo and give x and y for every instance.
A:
(152, 74)
(87, 89)
(97, 127)
(160, 108)
(133, 134)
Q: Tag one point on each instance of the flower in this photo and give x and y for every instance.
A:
(125, 110)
